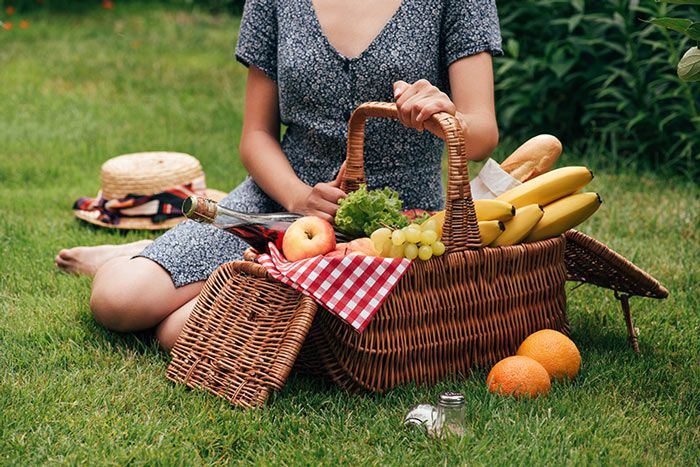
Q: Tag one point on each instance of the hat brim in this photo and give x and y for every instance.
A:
(141, 223)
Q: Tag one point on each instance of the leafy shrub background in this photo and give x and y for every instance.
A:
(593, 72)
(599, 77)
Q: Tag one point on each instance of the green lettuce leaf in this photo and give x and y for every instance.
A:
(363, 212)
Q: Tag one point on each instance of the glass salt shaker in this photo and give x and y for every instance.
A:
(449, 415)
(421, 416)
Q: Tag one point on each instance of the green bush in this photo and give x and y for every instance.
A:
(689, 66)
(600, 77)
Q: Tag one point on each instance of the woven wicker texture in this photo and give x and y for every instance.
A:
(461, 230)
(469, 307)
(243, 335)
(446, 316)
(588, 260)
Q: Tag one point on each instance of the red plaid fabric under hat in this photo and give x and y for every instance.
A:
(351, 287)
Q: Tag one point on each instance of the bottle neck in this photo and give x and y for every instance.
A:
(208, 211)
(256, 229)
(200, 209)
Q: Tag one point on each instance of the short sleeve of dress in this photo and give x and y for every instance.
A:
(470, 27)
(257, 37)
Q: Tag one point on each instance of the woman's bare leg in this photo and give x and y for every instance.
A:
(88, 259)
(132, 294)
(169, 329)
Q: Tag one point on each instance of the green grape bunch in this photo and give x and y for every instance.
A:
(413, 241)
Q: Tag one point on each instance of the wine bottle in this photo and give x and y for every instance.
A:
(256, 229)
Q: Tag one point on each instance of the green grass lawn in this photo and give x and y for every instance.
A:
(76, 90)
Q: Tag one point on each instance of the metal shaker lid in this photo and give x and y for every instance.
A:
(451, 399)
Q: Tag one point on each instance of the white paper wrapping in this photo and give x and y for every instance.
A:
(492, 181)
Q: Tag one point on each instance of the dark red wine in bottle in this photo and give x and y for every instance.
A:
(256, 229)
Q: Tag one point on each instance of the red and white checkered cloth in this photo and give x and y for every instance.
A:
(351, 287)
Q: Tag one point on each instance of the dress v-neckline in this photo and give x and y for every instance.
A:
(374, 40)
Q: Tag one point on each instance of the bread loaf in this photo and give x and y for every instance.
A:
(535, 157)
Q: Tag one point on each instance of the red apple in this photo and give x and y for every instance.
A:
(307, 237)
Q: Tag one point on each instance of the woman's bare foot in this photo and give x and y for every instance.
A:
(87, 259)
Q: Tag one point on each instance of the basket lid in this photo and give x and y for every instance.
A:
(243, 335)
(590, 261)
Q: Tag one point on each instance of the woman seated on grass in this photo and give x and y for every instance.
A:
(311, 62)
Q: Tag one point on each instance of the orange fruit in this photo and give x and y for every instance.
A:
(519, 376)
(555, 352)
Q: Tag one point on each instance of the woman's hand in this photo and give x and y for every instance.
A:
(417, 102)
(321, 200)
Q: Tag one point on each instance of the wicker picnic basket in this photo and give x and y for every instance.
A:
(471, 307)
(468, 308)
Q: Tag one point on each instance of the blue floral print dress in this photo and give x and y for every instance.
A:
(318, 89)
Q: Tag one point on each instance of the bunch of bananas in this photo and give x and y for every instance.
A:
(543, 207)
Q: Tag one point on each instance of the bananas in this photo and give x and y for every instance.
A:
(517, 215)
(486, 210)
(564, 214)
(493, 210)
(548, 187)
(490, 230)
(520, 225)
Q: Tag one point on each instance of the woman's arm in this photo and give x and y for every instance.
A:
(471, 84)
(262, 155)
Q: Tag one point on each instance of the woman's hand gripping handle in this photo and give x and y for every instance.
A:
(322, 199)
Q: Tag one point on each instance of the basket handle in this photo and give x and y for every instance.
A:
(461, 229)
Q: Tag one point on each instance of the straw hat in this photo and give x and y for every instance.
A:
(145, 191)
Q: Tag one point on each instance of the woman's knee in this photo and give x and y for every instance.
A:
(131, 295)
(112, 310)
